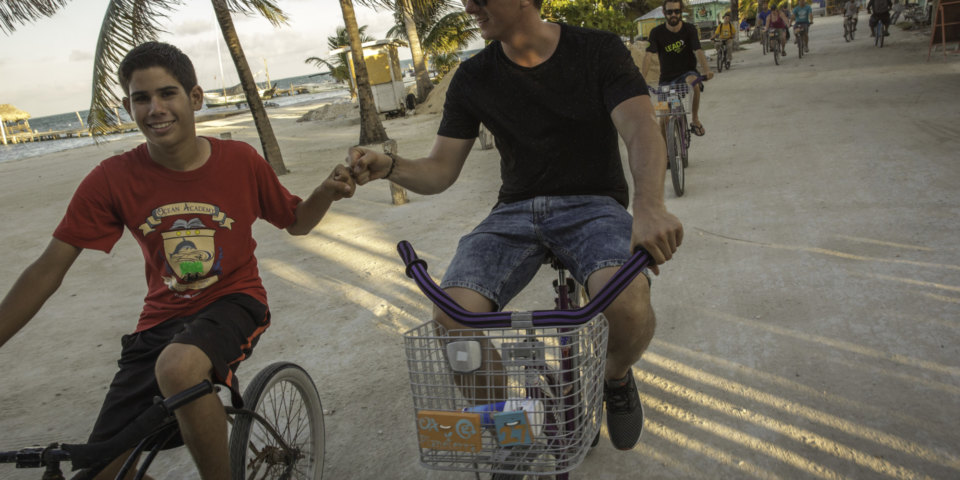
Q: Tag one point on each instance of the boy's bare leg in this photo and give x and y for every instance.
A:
(111, 471)
(203, 422)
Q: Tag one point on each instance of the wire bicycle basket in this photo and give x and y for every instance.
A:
(672, 99)
(541, 417)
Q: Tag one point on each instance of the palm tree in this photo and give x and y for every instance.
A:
(128, 23)
(371, 129)
(444, 29)
(340, 70)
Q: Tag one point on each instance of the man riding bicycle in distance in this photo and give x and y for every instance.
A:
(850, 11)
(726, 32)
(762, 20)
(803, 18)
(778, 22)
(677, 45)
(879, 10)
(190, 203)
(563, 186)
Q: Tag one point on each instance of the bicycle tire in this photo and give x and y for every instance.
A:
(719, 60)
(685, 152)
(764, 41)
(303, 430)
(800, 44)
(673, 154)
(776, 53)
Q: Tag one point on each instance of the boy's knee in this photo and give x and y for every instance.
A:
(181, 366)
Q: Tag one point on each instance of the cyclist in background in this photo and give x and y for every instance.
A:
(802, 19)
(778, 22)
(726, 32)
(850, 10)
(879, 11)
(762, 18)
(677, 45)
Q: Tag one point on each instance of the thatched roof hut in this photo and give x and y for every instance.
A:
(9, 113)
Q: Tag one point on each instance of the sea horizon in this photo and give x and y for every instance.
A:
(77, 119)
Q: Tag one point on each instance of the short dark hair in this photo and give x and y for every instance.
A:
(672, 1)
(157, 54)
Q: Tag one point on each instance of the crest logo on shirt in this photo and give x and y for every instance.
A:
(189, 249)
(675, 47)
(186, 208)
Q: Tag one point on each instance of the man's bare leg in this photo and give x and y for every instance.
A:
(111, 471)
(483, 389)
(203, 422)
(632, 322)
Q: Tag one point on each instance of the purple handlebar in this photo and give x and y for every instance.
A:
(417, 270)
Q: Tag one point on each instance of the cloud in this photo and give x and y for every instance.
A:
(80, 56)
(193, 27)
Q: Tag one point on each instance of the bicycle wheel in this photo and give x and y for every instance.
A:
(776, 52)
(719, 60)
(763, 42)
(685, 129)
(799, 36)
(285, 396)
(673, 154)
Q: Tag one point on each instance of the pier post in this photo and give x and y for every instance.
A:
(397, 193)
(3, 131)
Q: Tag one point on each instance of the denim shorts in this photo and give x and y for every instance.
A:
(502, 254)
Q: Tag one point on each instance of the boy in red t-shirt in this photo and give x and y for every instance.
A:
(190, 203)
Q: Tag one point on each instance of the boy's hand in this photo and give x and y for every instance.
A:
(340, 183)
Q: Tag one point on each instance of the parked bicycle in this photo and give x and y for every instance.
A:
(671, 104)
(550, 366)
(278, 434)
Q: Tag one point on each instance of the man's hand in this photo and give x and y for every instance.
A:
(659, 232)
(367, 165)
(339, 184)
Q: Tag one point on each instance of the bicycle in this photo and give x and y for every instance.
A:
(672, 103)
(775, 46)
(849, 27)
(723, 58)
(802, 40)
(279, 433)
(879, 32)
(552, 364)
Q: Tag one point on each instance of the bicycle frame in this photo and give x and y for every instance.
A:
(152, 430)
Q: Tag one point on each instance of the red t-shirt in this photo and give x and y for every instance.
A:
(194, 228)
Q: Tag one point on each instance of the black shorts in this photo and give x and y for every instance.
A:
(226, 330)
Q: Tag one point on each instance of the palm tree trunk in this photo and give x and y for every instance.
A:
(268, 141)
(424, 85)
(371, 130)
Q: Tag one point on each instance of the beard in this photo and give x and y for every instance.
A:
(673, 21)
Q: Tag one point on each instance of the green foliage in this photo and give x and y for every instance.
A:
(339, 69)
(596, 14)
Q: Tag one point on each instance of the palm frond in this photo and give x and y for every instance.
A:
(126, 24)
(13, 12)
(451, 33)
(266, 8)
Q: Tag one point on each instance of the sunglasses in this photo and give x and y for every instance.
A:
(673, 11)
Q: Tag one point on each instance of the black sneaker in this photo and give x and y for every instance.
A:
(624, 412)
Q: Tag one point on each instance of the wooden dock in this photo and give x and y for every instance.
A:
(23, 137)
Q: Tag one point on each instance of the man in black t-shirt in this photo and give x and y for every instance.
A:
(555, 98)
(677, 45)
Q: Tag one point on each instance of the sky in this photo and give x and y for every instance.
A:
(46, 67)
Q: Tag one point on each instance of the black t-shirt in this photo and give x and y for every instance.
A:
(551, 122)
(675, 50)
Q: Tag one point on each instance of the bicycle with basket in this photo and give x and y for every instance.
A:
(549, 365)
(279, 434)
(671, 104)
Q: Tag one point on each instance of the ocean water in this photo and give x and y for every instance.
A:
(70, 121)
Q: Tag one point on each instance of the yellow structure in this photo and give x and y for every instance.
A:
(13, 121)
(383, 70)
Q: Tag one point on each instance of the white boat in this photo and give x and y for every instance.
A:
(214, 99)
(314, 87)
